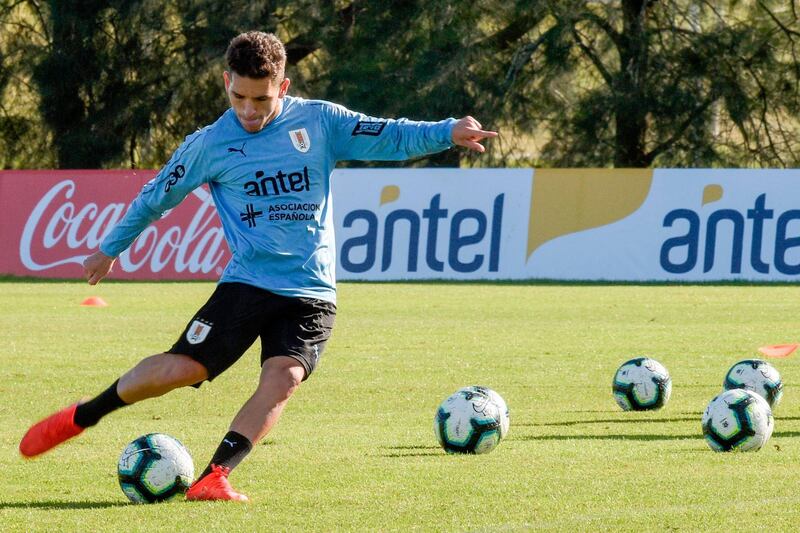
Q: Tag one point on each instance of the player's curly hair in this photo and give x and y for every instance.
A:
(256, 54)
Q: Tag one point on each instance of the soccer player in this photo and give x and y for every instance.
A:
(267, 161)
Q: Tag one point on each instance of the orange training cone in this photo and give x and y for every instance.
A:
(778, 350)
(94, 301)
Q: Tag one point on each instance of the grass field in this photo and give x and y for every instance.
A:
(355, 449)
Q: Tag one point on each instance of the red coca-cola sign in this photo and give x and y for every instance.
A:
(50, 220)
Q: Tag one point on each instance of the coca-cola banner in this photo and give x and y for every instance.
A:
(50, 220)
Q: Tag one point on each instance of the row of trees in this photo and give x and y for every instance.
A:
(626, 83)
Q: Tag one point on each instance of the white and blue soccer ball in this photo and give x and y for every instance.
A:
(471, 420)
(737, 420)
(757, 376)
(505, 420)
(642, 384)
(155, 468)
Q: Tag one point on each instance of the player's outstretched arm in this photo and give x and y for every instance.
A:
(468, 132)
(96, 267)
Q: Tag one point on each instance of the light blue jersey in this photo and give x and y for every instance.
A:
(272, 189)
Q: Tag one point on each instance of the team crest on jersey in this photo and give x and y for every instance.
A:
(300, 139)
(197, 332)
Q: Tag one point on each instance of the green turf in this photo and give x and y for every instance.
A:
(355, 449)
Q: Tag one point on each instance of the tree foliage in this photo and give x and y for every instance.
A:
(668, 83)
(625, 83)
(24, 137)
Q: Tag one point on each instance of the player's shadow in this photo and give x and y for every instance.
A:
(61, 504)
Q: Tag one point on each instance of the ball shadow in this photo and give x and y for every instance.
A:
(412, 450)
(61, 504)
(694, 418)
(648, 437)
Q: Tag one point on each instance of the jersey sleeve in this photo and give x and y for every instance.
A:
(185, 171)
(355, 136)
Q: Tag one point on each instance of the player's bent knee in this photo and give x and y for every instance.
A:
(283, 374)
(287, 382)
(293, 381)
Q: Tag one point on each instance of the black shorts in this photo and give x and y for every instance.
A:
(237, 313)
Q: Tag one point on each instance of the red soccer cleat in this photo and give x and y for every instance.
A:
(50, 432)
(215, 486)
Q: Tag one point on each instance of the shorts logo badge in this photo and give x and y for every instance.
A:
(197, 332)
(300, 139)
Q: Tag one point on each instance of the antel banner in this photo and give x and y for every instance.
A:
(50, 220)
(431, 223)
(568, 224)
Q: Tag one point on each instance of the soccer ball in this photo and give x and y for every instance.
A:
(155, 468)
(505, 421)
(757, 376)
(739, 420)
(469, 421)
(642, 384)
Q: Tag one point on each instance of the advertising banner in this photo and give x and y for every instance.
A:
(50, 220)
(682, 225)
(569, 224)
(562, 224)
(428, 224)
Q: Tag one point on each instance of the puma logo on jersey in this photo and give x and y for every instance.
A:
(240, 150)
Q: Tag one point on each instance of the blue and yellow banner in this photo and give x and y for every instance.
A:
(568, 224)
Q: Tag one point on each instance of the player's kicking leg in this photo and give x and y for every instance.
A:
(153, 376)
(280, 377)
